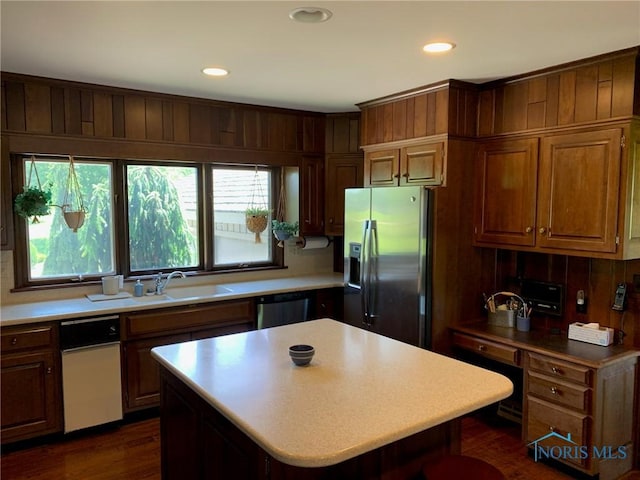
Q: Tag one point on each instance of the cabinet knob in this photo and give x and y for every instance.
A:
(528, 230)
(405, 174)
(482, 348)
(395, 175)
(555, 370)
(331, 220)
(552, 429)
(49, 370)
(555, 391)
(14, 340)
(542, 230)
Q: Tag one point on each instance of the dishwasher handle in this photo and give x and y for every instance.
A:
(87, 347)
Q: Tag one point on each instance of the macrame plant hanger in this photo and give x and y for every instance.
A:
(257, 212)
(281, 210)
(73, 208)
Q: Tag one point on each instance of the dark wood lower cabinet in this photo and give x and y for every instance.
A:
(146, 330)
(200, 443)
(31, 395)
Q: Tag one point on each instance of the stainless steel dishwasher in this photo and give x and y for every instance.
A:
(283, 308)
(91, 382)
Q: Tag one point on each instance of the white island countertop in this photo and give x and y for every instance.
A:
(360, 392)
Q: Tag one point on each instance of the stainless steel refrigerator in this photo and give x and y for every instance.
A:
(387, 262)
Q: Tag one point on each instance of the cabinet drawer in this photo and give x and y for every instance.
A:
(544, 418)
(549, 388)
(496, 351)
(560, 369)
(16, 339)
(188, 319)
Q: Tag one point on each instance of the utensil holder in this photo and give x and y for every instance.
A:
(523, 324)
(502, 318)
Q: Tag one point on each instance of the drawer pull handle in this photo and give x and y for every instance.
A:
(482, 348)
(555, 391)
(14, 340)
(555, 370)
(49, 370)
(552, 429)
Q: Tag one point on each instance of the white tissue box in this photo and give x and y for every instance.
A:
(591, 333)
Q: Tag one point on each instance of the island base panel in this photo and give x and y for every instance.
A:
(199, 443)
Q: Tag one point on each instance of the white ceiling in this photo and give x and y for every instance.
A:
(365, 51)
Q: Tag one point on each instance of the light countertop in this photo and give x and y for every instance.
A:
(176, 295)
(360, 392)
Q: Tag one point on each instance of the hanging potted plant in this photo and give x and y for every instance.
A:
(73, 209)
(256, 220)
(283, 230)
(34, 201)
(256, 214)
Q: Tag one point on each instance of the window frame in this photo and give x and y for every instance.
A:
(205, 216)
(211, 215)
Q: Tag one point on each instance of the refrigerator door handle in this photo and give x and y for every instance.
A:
(363, 273)
(372, 270)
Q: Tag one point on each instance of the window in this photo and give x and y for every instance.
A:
(241, 238)
(55, 251)
(162, 217)
(144, 217)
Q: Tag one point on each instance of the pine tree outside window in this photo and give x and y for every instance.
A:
(54, 250)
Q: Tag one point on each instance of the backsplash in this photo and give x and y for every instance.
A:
(505, 270)
(298, 262)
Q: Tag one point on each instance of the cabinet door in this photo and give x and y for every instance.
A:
(31, 401)
(341, 173)
(578, 191)
(312, 197)
(505, 195)
(142, 372)
(422, 164)
(381, 168)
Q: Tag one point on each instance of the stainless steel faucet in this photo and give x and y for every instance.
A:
(161, 285)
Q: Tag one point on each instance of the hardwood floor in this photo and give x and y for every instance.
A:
(132, 451)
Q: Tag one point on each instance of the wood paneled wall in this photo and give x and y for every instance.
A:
(449, 108)
(504, 270)
(342, 133)
(43, 106)
(601, 89)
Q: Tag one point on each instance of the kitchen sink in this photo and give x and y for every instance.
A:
(152, 298)
(197, 291)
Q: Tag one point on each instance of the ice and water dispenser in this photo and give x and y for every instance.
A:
(354, 264)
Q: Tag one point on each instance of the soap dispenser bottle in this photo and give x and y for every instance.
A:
(137, 289)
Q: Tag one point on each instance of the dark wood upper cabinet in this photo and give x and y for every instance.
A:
(505, 206)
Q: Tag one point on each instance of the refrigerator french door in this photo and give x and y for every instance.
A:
(387, 262)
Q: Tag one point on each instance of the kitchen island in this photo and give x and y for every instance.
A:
(367, 406)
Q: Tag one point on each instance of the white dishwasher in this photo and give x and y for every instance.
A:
(91, 382)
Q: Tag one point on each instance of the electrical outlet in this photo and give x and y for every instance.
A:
(636, 282)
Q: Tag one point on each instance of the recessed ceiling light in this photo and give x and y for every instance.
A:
(310, 14)
(438, 47)
(215, 71)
